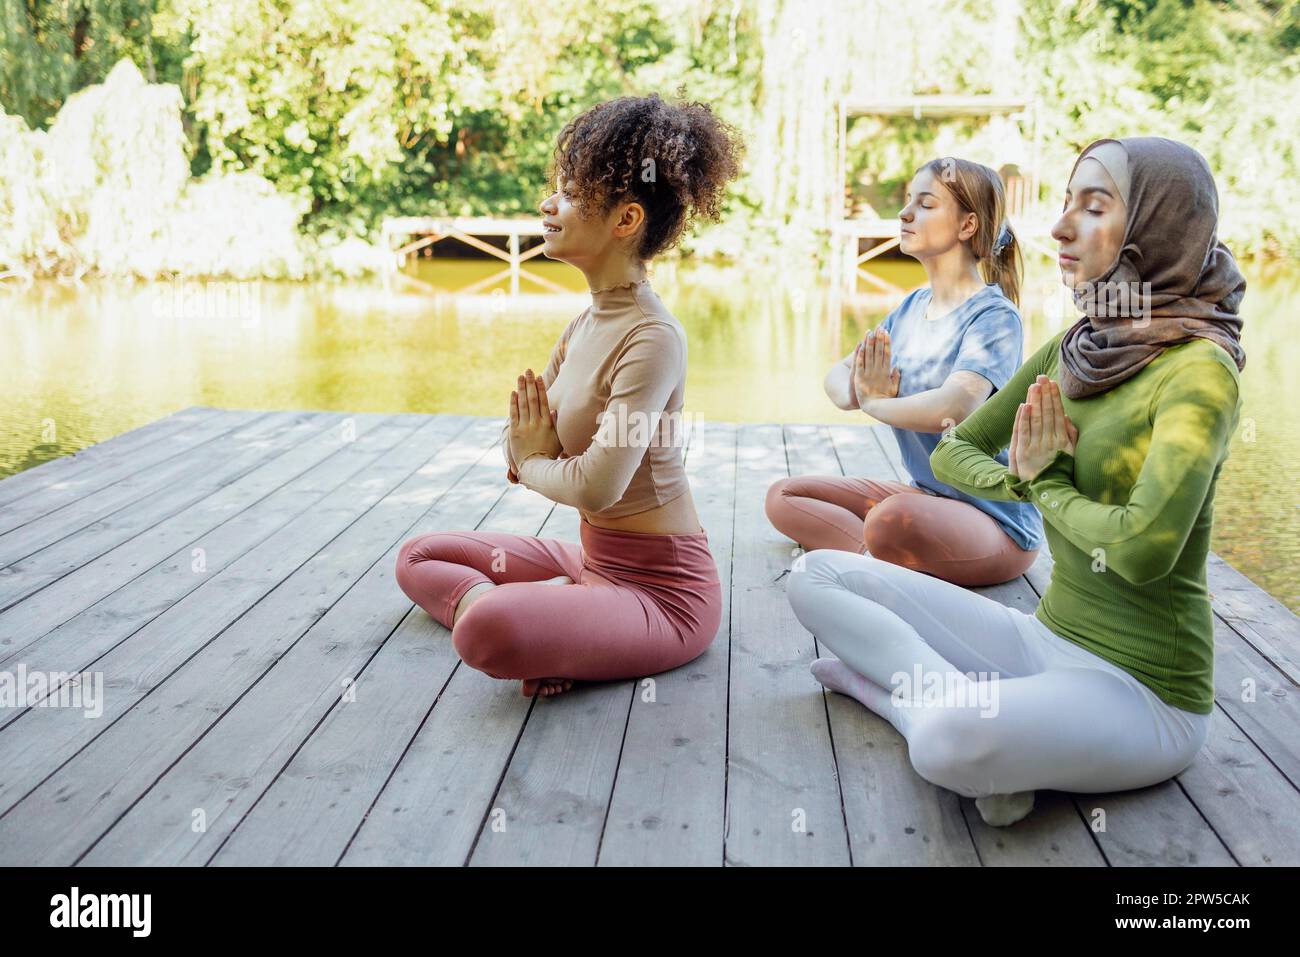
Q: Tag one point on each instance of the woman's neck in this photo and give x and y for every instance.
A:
(612, 270)
(954, 278)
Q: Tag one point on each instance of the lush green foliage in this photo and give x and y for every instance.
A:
(108, 189)
(408, 106)
(1224, 77)
(53, 48)
(331, 114)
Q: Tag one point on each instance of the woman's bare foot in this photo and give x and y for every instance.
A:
(482, 588)
(545, 687)
(474, 593)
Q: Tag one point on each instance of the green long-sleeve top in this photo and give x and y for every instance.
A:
(1128, 516)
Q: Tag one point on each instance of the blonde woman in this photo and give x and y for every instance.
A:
(932, 361)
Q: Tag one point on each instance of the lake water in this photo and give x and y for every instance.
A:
(83, 363)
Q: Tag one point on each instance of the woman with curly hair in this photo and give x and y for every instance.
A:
(596, 430)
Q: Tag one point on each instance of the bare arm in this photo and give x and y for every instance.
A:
(839, 384)
(934, 409)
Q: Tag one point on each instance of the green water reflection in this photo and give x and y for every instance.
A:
(81, 364)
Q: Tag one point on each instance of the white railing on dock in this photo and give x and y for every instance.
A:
(419, 232)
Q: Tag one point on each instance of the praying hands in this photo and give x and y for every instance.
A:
(1041, 428)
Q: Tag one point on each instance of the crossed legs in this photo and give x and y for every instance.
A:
(898, 523)
(528, 627)
(1045, 713)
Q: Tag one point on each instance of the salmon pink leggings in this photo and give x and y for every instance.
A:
(641, 603)
(897, 523)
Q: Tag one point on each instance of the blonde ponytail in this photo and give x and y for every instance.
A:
(1004, 264)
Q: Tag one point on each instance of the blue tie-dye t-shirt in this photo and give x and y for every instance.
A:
(984, 335)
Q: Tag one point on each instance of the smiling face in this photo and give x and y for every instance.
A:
(1091, 227)
(932, 221)
(570, 237)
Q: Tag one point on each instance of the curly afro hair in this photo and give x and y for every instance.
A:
(675, 159)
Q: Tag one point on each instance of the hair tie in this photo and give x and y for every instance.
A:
(1004, 237)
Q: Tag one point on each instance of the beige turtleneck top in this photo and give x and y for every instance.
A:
(617, 377)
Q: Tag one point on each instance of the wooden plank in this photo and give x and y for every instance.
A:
(100, 490)
(1259, 698)
(669, 800)
(1252, 807)
(783, 800)
(936, 104)
(1271, 628)
(895, 816)
(78, 465)
(573, 740)
(889, 449)
(313, 806)
(550, 805)
(231, 629)
(1151, 827)
(860, 452)
(1053, 835)
(316, 804)
(212, 467)
(481, 225)
(62, 541)
(452, 765)
(236, 761)
(206, 710)
(171, 630)
(62, 617)
(34, 616)
(431, 808)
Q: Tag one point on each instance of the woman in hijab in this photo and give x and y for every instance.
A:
(1118, 428)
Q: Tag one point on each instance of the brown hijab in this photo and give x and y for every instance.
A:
(1170, 243)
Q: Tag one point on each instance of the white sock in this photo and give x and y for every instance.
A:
(838, 676)
(999, 810)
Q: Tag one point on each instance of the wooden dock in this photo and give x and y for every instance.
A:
(271, 697)
(407, 236)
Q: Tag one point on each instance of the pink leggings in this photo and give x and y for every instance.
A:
(640, 604)
(897, 523)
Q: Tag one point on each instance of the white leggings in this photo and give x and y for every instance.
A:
(1048, 713)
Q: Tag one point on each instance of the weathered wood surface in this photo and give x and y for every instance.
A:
(271, 697)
